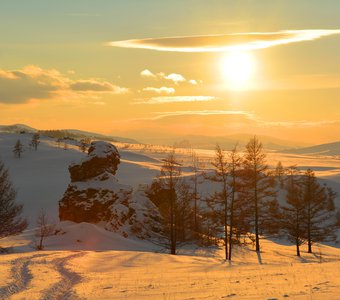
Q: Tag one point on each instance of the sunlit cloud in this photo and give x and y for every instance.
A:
(161, 90)
(225, 42)
(97, 86)
(173, 77)
(162, 115)
(147, 73)
(175, 99)
(35, 83)
(300, 124)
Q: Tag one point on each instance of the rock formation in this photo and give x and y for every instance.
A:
(95, 196)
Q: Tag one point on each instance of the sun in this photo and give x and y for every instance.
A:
(238, 69)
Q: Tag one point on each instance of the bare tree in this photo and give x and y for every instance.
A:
(294, 211)
(84, 144)
(259, 186)
(235, 161)
(44, 229)
(168, 194)
(35, 141)
(320, 215)
(195, 193)
(58, 141)
(18, 149)
(219, 202)
(279, 173)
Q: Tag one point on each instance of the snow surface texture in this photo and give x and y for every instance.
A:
(122, 268)
(85, 261)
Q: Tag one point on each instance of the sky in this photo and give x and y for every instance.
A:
(150, 69)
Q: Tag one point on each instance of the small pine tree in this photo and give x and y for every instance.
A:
(18, 149)
(10, 221)
(35, 141)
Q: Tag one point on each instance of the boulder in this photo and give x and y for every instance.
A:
(95, 196)
(102, 157)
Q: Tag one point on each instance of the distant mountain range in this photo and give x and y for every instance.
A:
(194, 141)
(74, 133)
(226, 142)
(332, 149)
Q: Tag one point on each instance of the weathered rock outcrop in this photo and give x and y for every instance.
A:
(95, 196)
(102, 158)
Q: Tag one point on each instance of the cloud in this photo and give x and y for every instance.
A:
(161, 90)
(147, 73)
(174, 77)
(299, 124)
(225, 42)
(97, 86)
(162, 115)
(175, 99)
(34, 83)
(28, 83)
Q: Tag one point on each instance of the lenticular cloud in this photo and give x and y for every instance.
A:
(225, 42)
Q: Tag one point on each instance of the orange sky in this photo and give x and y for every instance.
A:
(173, 69)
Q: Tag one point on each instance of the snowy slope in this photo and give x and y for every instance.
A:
(323, 149)
(41, 177)
(85, 261)
(276, 274)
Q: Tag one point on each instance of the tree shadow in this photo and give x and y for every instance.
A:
(259, 257)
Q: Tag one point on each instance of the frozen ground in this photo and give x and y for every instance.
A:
(88, 262)
(114, 271)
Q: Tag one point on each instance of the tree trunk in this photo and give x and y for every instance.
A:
(225, 221)
(172, 227)
(195, 209)
(309, 231)
(297, 247)
(226, 235)
(231, 219)
(257, 240)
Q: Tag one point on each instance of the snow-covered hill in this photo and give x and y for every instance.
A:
(323, 149)
(41, 177)
(85, 261)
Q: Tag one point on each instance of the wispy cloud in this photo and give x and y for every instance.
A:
(162, 115)
(161, 90)
(225, 42)
(175, 99)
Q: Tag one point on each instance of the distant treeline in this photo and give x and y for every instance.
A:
(67, 135)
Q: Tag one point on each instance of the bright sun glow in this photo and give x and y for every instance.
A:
(238, 68)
